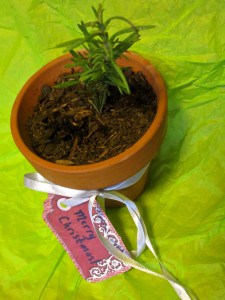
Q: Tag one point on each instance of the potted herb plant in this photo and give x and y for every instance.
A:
(69, 120)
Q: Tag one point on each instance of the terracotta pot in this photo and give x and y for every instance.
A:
(102, 174)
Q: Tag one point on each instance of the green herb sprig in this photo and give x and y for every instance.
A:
(99, 68)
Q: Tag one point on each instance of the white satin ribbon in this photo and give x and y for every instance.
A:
(36, 182)
(178, 288)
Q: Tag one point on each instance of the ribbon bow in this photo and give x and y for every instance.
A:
(36, 182)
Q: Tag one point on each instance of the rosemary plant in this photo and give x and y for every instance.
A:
(99, 69)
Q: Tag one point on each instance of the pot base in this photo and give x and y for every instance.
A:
(131, 192)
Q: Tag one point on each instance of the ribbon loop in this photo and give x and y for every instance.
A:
(35, 181)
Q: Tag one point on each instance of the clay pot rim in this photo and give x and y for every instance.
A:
(127, 154)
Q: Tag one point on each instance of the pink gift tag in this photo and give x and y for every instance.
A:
(75, 231)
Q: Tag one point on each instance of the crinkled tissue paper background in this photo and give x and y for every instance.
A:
(183, 204)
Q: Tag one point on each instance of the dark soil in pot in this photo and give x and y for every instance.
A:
(65, 127)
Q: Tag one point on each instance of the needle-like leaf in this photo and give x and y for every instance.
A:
(98, 68)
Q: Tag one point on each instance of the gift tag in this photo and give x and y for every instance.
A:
(74, 229)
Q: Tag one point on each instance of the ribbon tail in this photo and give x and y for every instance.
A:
(179, 289)
(133, 210)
